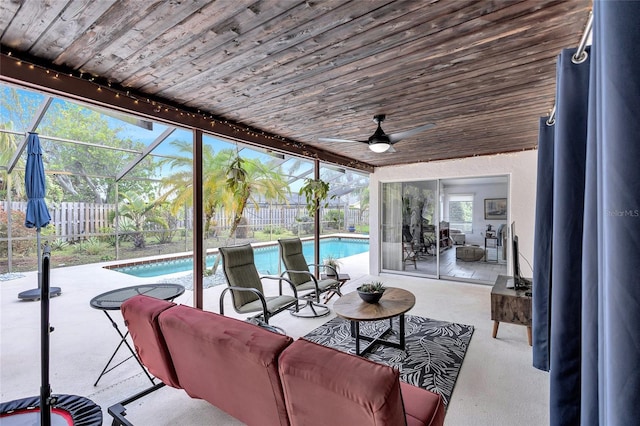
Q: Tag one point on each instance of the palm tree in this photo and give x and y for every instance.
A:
(229, 182)
(180, 184)
(138, 212)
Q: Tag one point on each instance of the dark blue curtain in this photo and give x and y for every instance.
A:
(587, 281)
(542, 248)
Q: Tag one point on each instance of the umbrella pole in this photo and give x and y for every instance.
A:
(45, 330)
(37, 293)
(39, 259)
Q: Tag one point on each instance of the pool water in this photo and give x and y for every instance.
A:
(266, 258)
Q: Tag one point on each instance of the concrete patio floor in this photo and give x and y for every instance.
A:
(497, 384)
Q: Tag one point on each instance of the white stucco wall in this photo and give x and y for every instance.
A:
(521, 168)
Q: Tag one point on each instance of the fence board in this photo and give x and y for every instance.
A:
(74, 220)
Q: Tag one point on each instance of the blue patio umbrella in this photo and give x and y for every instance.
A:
(35, 187)
(37, 213)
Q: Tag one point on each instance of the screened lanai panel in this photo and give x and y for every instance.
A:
(18, 108)
(121, 187)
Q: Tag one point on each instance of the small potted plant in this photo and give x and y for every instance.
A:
(333, 265)
(371, 292)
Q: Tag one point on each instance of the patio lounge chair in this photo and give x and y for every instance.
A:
(297, 269)
(246, 288)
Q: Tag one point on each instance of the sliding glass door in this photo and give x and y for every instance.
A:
(409, 226)
(440, 228)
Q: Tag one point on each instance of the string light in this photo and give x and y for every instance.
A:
(160, 108)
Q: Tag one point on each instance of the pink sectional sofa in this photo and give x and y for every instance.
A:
(264, 378)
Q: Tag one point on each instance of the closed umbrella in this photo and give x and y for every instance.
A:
(37, 212)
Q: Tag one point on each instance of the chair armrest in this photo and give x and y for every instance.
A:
(280, 279)
(313, 277)
(253, 290)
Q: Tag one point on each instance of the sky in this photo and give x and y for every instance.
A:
(30, 102)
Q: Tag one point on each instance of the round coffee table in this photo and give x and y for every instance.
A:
(394, 303)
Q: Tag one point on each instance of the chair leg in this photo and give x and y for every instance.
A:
(316, 310)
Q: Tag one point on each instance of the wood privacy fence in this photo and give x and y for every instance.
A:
(73, 221)
(76, 221)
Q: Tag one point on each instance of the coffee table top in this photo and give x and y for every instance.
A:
(112, 300)
(394, 301)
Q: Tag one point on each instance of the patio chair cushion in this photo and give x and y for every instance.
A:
(323, 285)
(230, 363)
(294, 260)
(274, 304)
(140, 314)
(240, 271)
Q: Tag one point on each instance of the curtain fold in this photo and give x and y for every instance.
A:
(617, 142)
(542, 246)
(568, 207)
(588, 278)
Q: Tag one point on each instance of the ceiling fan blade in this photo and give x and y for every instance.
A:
(335, 140)
(395, 137)
(391, 149)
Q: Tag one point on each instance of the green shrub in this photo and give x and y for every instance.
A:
(273, 229)
(108, 236)
(91, 246)
(164, 237)
(303, 225)
(335, 218)
(58, 244)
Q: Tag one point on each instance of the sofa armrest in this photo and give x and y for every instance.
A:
(141, 314)
(422, 408)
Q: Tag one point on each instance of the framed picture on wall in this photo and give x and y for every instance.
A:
(495, 209)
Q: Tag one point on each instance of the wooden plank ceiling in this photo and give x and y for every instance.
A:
(481, 71)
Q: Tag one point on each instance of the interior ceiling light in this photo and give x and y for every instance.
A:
(381, 142)
(379, 147)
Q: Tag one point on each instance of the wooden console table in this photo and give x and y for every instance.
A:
(510, 305)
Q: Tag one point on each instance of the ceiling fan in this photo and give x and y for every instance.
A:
(381, 142)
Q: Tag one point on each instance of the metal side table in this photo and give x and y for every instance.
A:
(113, 300)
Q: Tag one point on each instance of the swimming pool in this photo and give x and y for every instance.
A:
(266, 257)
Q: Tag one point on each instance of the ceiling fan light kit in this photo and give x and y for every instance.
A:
(380, 142)
(379, 147)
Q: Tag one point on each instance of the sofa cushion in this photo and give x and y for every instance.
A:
(140, 314)
(230, 363)
(421, 406)
(323, 386)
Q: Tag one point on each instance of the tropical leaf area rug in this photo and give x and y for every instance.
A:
(433, 355)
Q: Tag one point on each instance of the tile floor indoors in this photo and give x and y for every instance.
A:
(497, 384)
(482, 272)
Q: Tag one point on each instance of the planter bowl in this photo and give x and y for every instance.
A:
(370, 297)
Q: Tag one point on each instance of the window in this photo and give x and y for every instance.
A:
(461, 212)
